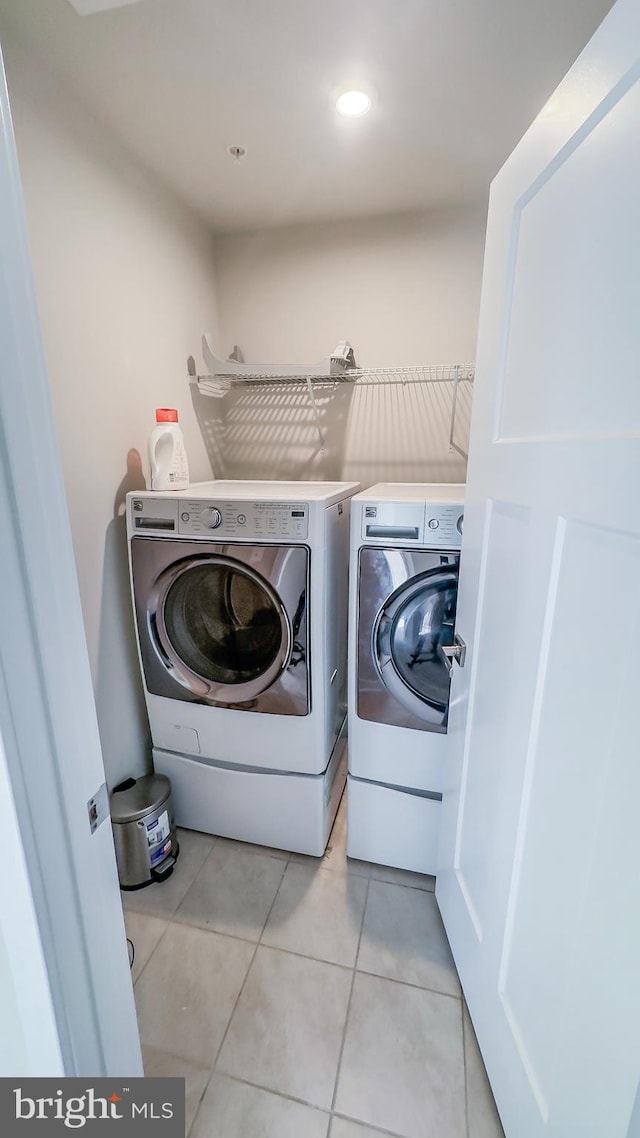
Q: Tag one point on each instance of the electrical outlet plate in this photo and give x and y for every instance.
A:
(90, 7)
(98, 808)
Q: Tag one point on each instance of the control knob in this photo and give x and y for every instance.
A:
(459, 523)
(212, 517)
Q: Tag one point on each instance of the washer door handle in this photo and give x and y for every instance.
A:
(453, 652)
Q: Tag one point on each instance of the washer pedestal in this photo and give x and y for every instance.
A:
(268, 808)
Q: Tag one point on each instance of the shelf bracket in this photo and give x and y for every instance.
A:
(316, 413)
(454, 402)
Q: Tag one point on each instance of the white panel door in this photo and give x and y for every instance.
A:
(48, 724)
(540, 850)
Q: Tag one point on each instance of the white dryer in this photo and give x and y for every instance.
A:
(405, 543)
(240, 599)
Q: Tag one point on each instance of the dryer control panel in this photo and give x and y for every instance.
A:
(435, 525)
(220, 520)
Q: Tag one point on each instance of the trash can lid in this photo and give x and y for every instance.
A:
(137, 797)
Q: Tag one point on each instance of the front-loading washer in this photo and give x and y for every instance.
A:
(240, 599)
(405, 552)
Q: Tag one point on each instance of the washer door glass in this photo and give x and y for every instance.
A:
(415, 622)
(222, 628)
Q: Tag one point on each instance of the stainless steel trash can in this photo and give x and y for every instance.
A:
(144, 831)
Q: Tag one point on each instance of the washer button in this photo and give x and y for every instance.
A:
(241, 519)
(434, 523)
(185, 516)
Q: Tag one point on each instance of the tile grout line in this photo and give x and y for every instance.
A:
(224, 1036)
(407, 984)
(236, 1001)
(153, 950)
(132, 893)
(367, 1125)
(256, 946)
(173, 921)
(242, 986)
(307, 1103)
(317, 864)
(306, 955)
(277, 1094)
(176, 919)
(168, 920)
(275, 898)
(403, 885)
(346, 1018)
(255, 851)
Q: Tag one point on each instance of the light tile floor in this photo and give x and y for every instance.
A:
(304, 998)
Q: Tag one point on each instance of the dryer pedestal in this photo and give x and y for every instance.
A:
(392, 826)
(267, 808)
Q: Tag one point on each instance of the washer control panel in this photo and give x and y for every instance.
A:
(443, 524)
(245, 521)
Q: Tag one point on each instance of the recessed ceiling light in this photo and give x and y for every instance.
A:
(353, 103)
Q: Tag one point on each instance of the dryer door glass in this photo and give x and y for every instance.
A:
(415, 622)
(223, 627)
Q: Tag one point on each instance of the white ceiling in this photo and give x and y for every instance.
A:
(455, 83)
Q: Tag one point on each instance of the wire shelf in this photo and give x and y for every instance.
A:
(338, 368)
(432, 373)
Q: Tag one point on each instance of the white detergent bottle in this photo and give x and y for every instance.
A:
(167, 456)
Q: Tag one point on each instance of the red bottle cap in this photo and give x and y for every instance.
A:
(166, 415)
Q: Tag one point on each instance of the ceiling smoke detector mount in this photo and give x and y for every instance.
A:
(237, 152)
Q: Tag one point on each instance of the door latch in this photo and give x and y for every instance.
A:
(98, 808)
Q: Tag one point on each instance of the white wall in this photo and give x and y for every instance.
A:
(404, 290)
(126, 286)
